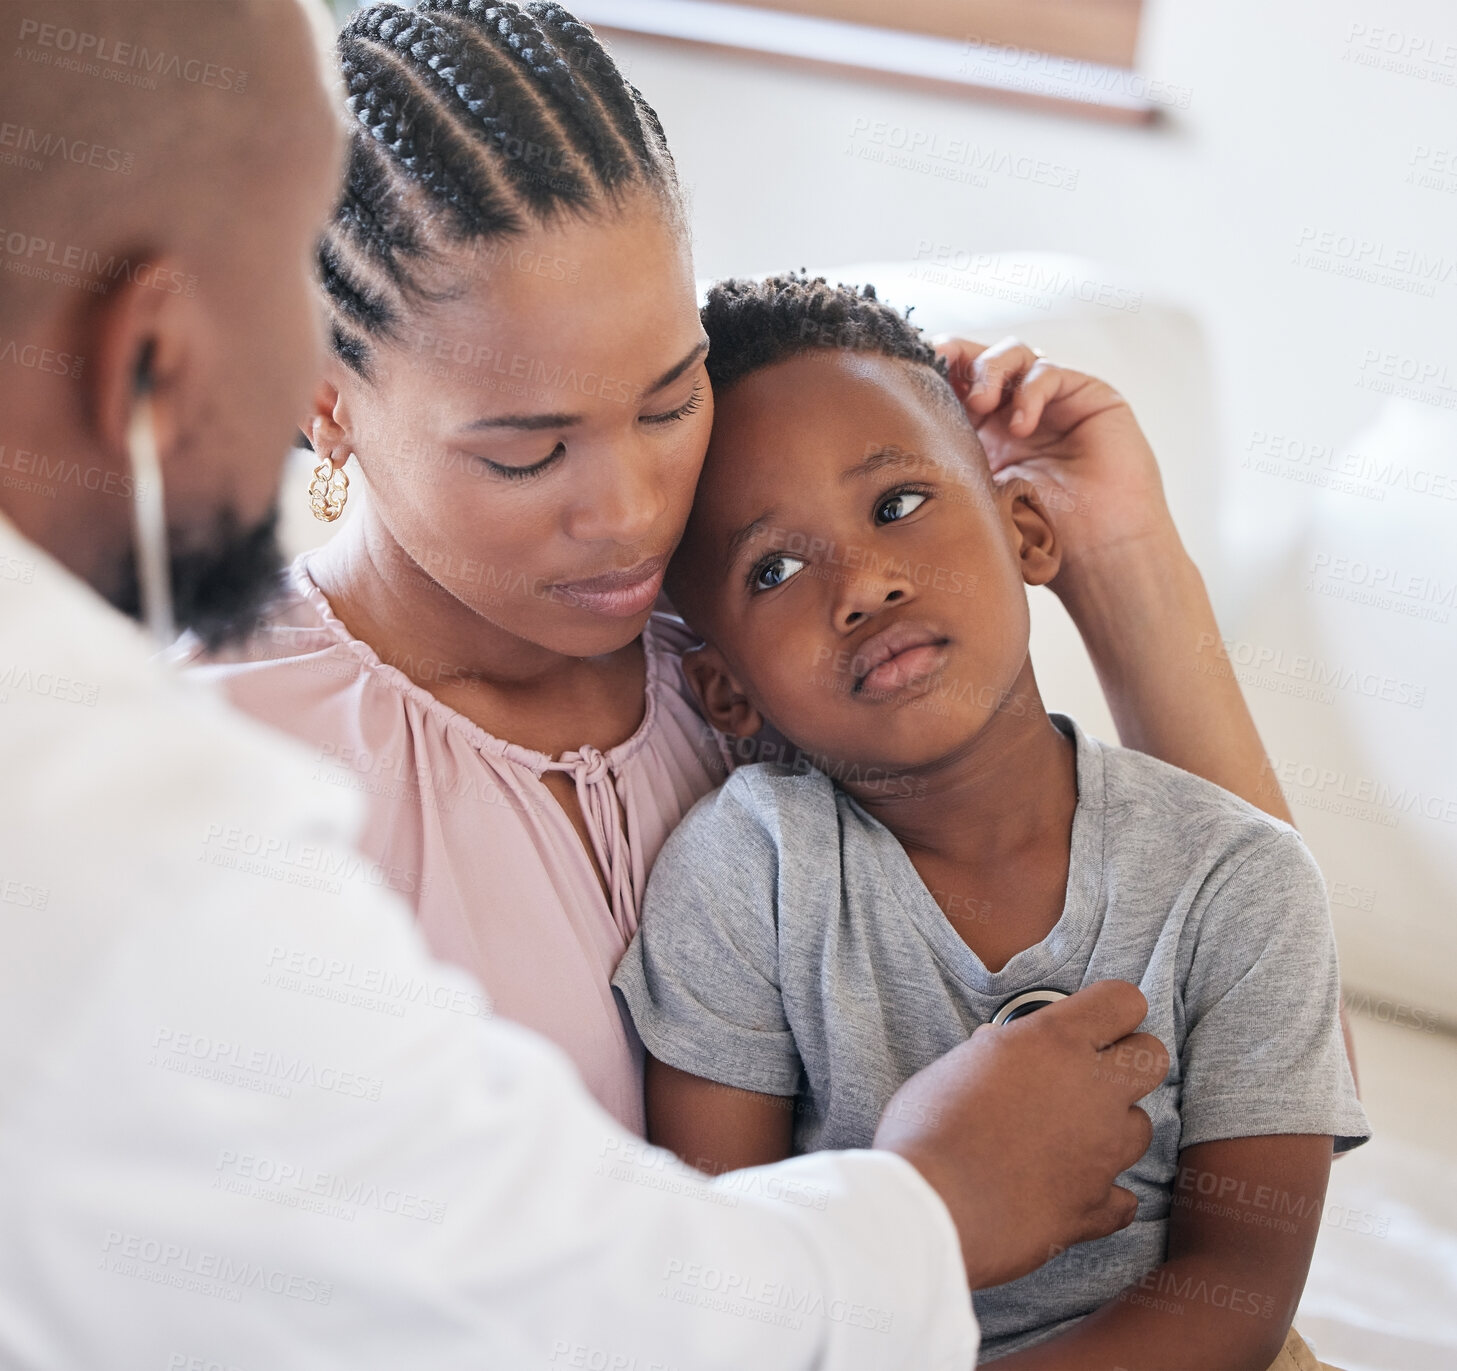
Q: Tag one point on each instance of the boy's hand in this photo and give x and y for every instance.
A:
(1074, 438)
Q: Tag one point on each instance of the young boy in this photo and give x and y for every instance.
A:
(814, 935)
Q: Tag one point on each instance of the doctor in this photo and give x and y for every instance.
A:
(245, 1122)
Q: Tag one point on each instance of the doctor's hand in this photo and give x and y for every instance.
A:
(1023, 1128)
(1076, 440)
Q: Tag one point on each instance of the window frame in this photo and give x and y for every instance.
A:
(988, 64)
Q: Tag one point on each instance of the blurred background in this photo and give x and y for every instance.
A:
(1244, 216)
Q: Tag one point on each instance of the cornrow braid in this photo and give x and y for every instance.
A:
(473, 121)
(554, 47)
(753, 324)
(370, 215)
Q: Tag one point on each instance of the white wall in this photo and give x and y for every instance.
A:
(1286, 136)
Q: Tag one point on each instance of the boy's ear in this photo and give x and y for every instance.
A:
(1038, 548)
(719, 695)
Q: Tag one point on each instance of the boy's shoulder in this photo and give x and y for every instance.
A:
(772, 809)
(1163, 809)
(770, 794)
(765, 819)
(1135, 778)
(1175, 849)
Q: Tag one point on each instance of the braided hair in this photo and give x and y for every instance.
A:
(473, 121)
(753, 324)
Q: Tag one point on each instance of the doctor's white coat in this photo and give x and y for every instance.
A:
(246, 1122)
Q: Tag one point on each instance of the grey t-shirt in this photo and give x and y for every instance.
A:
(789, 946)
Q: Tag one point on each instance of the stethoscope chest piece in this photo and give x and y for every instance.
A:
(1028, 1002)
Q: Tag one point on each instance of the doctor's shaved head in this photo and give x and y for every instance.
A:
(166, 167)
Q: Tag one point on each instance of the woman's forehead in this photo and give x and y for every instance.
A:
(620, 288)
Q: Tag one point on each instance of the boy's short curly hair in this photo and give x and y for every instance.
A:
(753, 324)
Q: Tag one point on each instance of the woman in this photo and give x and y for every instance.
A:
(519, 370)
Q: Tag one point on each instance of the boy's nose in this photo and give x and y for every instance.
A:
(865, 597)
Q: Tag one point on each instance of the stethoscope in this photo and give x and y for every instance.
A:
(1028, 1002)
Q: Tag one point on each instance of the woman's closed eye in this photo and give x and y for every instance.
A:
(525, 473)
(690, 406)
(774, 571)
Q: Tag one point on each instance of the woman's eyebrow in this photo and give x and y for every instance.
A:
(524, 421)
(674, 372)
(531, 422)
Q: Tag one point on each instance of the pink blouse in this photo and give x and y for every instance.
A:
(503, 884)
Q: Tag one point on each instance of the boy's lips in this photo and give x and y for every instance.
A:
(896, 656)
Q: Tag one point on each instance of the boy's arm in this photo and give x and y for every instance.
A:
(1243, 1224)
(714, 1127)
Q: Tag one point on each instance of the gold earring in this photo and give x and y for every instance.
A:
(328, 491)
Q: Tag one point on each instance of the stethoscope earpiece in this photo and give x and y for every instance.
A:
(149, 510)
(1028, 1002)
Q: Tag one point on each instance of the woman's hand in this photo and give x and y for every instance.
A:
(1131, 589)
(1126, 580)
(1076, 440)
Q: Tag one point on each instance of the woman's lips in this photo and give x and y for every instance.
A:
(619, 594)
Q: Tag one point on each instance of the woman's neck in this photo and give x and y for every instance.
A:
(511, 687)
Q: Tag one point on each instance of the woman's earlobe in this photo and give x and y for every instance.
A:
(719, 696)
(322, 424)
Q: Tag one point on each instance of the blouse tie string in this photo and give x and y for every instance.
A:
(597, 796)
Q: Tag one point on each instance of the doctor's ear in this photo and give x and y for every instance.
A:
(719, 695)
(138, 342)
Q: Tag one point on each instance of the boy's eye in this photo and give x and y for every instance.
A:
(897, 506)
(774, 571)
